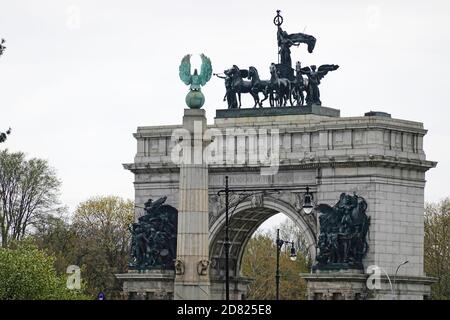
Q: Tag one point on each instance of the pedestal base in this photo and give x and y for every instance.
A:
(352, 285)
(148, 285)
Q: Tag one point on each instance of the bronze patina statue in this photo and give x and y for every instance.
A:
(280, 88)
(153, 244)
(299, 85)
(195, 98)
(285, 41)
(258, 86)
(342, 240)
(285, 84)
(314, 77)
(2, 47)
(239, 85)
(230, 94)
(4, 135)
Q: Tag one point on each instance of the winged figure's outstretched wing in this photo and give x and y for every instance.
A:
(325, 68)
(327, 216)
(185, 69)
(159, 202)
(324, 209)
(206, 70)
(305, 70)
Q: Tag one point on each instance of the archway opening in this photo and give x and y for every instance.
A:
(260, 256)
(244, 223)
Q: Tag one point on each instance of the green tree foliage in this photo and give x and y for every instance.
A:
(437, 247)
(27, 189)
(259, 264)
(97, 240)
(27, 273)
(101, 226)
(55, 235)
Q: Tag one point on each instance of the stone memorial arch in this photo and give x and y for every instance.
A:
(375, 156)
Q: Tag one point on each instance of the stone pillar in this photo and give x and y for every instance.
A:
(192, 278)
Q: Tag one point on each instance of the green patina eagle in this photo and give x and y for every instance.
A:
(195, 80)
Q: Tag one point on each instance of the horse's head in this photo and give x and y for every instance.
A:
(273, 70)
(234, 71)
(252, 72)
(227, 72)
(359, 209)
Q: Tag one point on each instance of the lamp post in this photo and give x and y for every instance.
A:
(227, 243)
(395, 277)
(279, 242)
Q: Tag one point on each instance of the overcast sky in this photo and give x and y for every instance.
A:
(78, 77)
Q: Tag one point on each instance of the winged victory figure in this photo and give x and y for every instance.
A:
(195, 98)
(195, 80)
(314, 76)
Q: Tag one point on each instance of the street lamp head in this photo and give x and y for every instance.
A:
(307, 209)
(307, 202)
(293, 256)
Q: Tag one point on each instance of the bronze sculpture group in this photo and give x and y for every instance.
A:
(343, 233)
(153, 237)
(3, 135)
(2, 47)
(286, 85)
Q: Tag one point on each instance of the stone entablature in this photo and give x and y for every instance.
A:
(307, 140)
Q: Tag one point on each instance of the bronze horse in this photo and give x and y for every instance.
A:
(239, 85)
(258, 86)
(281, 87)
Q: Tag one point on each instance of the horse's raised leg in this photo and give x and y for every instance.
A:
(302, 98)
(290, 100)
(255, 98)
(280, 100)
(265, 98)
(259, 101)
